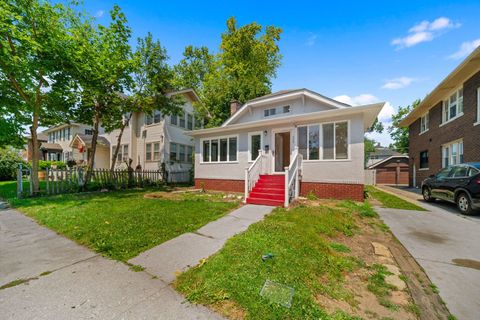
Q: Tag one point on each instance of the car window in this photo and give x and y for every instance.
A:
(443, 173)
(473, 172)
(459, 172)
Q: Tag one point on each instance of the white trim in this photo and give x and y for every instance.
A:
(425, 116)
(250, 134)
(210, 147)
(272, 147)
(423, 169)
(449, 145)
(451, 119)
(301, 93)
(447, 105)
(349, 156)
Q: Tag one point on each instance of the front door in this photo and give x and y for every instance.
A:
(282, 151)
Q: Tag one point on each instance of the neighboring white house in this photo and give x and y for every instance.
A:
(284, 144)
(59, 139)
(153, 139)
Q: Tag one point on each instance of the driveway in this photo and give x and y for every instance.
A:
(446, 244)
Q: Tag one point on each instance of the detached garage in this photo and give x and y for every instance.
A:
(392, 170)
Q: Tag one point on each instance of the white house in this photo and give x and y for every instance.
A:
(286, 144)
(152, 139)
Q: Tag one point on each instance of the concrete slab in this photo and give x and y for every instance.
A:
(177, 255)
(27, 249)
(252, 212)
(97, 288)
(225, 227)
(436, 239)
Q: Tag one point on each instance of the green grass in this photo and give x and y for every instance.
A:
(303, 259)
(379, 287)
(390, 201)
(120, 224)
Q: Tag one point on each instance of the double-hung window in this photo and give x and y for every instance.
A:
(189, 121)
(453, 106)
(309, 142)
(221, 149)
(424, 159)
(424, 122)
(181, 117)
(173, 151)
(452, 153)
(152, 151)
(335, 141)
(254, 145)
(153, 118)
(122, 154)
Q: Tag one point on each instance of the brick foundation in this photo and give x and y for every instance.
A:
(321, 190)
(221, 185)
(341, 191)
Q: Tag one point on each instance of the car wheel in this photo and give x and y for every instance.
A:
(427, 194)
(464, 204)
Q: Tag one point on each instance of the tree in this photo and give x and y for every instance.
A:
(369, 147)
(243, 69)
(103, 59)
(152, 80)
(35, 85)
(398, 134)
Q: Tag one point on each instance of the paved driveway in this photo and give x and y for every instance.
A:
(447, 246)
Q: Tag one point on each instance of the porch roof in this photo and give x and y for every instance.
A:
(369, 111)
(51, 146)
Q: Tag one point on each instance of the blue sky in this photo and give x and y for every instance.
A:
(358, 52)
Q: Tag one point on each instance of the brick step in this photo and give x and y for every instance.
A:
(265, 202)
(266, 195)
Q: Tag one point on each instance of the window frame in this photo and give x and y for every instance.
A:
(458, 156)
(420, 161)
(447, 105)
(152, 145)
(250, 134)
(210, 139)
(425, 122)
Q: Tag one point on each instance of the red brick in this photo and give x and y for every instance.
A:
(221, 185)
(340, 191)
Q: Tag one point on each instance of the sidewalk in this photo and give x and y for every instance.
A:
(64, 280)
(185, 251)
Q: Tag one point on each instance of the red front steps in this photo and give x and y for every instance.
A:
(269, 190)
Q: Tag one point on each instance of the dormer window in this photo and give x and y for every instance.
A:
(273, 111)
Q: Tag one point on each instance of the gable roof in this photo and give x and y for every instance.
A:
(189, 92)
(462, 72)
(376, 164)
(86, 140)
(369, 112)
(284, 94)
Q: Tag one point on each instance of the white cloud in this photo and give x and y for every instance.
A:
(398, 83)
(385, 115)
(311, 40)
(423, 32)
(465, 49)
(99, 13)
(364, 98)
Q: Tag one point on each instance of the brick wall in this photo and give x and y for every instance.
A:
(221, 185)
(432, 140)
(333, 190)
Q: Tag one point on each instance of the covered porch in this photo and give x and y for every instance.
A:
(81, 147)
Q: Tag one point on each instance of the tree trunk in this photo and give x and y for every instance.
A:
(91, 154)
(119, 141)
(35, 153)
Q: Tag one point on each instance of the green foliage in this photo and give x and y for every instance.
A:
(243, 69)
(42, 164)
(302, 259)
(312, 196)
(369, 147)
(339, 247)
(379, 287)
(390, 201)
(398, 134)
(9, 161)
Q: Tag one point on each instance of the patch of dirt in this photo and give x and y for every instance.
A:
(180, 195)
(230, 309)
(418, 293)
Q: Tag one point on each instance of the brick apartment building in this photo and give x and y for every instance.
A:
(445, 128)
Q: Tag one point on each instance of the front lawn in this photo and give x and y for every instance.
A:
(306, 257)
(390, 201)
(122, 224)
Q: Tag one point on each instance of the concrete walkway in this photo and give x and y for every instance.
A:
(447, 246)
(185, 251)
(68, 281)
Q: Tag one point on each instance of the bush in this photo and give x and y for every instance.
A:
(9, 161)
(42, 164)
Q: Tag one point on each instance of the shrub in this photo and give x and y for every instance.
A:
(42, 164)
(9, 161)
